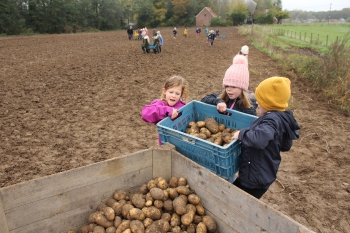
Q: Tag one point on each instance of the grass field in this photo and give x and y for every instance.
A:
(319, 32)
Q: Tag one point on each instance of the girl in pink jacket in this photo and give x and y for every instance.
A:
(174, 94)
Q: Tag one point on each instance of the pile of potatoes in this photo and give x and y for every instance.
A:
(158, 207)
(212, 131)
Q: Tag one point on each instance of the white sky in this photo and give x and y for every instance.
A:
(315, 5)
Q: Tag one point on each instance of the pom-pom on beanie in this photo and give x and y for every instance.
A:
(273, 93)
(240, 59)
(245, 50)
(237, 75)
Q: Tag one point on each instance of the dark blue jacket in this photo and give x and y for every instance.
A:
(262, 143)
(214, 100)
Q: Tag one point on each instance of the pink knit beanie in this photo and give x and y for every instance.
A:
(237, 75)
(240, 59)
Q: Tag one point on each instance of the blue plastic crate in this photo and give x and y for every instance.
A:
(223, 161)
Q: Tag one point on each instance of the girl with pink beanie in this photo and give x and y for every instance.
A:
(235, 94)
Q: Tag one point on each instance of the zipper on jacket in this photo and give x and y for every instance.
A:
(249, 168)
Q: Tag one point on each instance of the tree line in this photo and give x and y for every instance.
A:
(67, 16)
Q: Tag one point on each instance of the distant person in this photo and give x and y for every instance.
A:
(235, 91)
(268, 135)
(145, 44)
(211, 38)
(174, 32)
(217, 33)
(130, 32)
(173, 97)
(243, 52)
(185, 32)
(197, 32)
(161, 41)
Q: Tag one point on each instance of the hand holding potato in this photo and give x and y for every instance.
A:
(235, 135)
(221, 107)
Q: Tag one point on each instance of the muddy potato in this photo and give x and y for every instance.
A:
(159, 194)
(187, 218)
(175, 220)
(149, 197)
(125, 210)
(211, 139)
(202, 136)
(168, 205)
(218, 141)
(192, 123)
(173, 182)
(176, 229)
(101, 206)
(226, 137)
(206, 132)
(216, 135)
(149, 203)
(193, 199)
(111, 230)
(210, 223)
(200, 124)
(143, 189)
(138, 200)
(200, 209)
(110, 202)
(92, 216)
(98, 229)
(117, 221)
(179, 205)
(152, 212)
(120, 195)
(212, 125)
(172, 193)
(197, 219)
(222, 127)
(136, 214)
(158, 204)
(182, 181)
(84, 229)
(151, 184)
(103, 221)
(127, 231)
(166, 216)
(109, 213)
(118, 207)
(201, 228)
(162, 183)
(193, 130)
(183, 190)
(147, 222)
(191, 228)
(136, 226)
(123, 226)
(160, 225)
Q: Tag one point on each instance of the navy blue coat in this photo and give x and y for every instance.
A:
(262, 143)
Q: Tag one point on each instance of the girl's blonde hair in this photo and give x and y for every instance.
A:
(243, 102)
(175, 81)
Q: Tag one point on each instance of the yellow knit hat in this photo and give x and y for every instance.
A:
(273, 93)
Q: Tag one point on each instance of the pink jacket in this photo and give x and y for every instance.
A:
(158, 110)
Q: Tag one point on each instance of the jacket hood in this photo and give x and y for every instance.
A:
(291, 125)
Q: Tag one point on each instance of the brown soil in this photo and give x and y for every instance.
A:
(71, 100)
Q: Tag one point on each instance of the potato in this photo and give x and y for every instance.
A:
(137, 226)
(149, 203)
(201, 228)
(197, 219)
(98, 229)
(187, 218)
(118, 207)
(143, 189)
(110, 202)
(101, 206)
(158, 204)
(228, 130)
(123, 226)
(159, 226)
(166, 216)
(152, 212)
(84, 229)
(149, 197)
(159, 194)
(168, 205)
(179, 205)
(210, 223)
(71, 231)
(162, 183)
(200, 209)
(120, 195)
(111, 230)
(176, 229)
(226, 137)
(216, 135)
(211, 139)
(117, 221)
(183, 190)
(109, 213)
(212, 125)
(182, 181)
(172, 193)
(138, 200)
(222, 127)
(147, 222)
(92, 216)
(175, 220)
(200, 124)
(193, 199)
(193, 130)
(218, 141)
(151, 184)
(127, 231)
(103, 221)
(206, 132)
(136, 214)
(191, 228)
(192, 123)
(173, 182)
(125, 210)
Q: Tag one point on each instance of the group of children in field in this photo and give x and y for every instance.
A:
(271, 133)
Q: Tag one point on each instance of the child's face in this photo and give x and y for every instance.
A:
(260, 110)
(233, 92)
(173, 95)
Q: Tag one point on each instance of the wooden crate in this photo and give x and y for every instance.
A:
(61, 202)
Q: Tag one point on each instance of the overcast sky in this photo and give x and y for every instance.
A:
(315, 5)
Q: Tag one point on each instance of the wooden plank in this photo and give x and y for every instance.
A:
(233, 206)
(3, 222)
(21, 194)
(162, 163)
(87, 194)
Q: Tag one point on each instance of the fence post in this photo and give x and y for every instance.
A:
(311, 39)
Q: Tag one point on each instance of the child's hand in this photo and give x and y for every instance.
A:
(221, 107)
(174, 114)
(235, 135)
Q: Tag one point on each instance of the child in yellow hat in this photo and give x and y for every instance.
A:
(266, 137)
